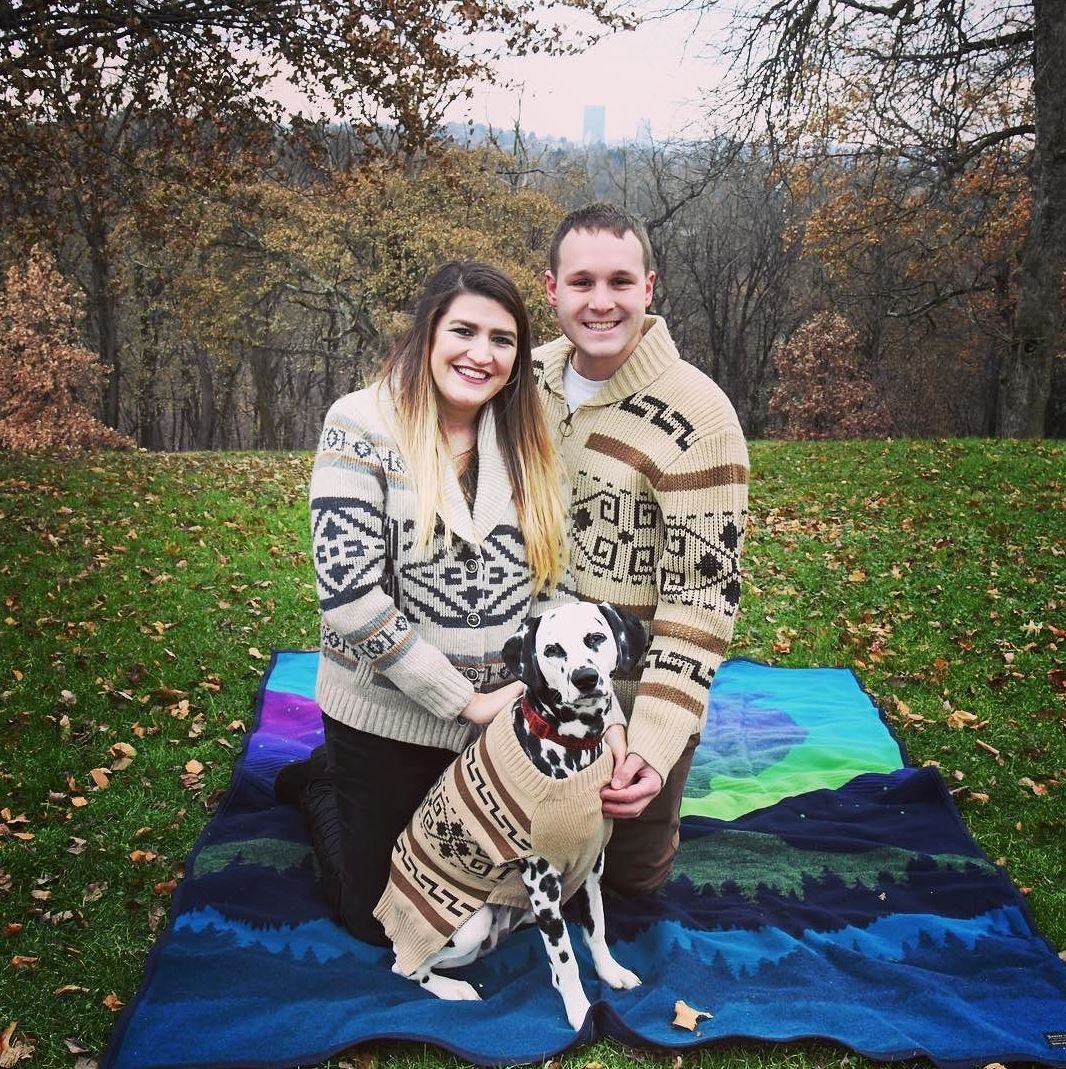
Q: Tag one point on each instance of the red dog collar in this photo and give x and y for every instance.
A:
(543, 730)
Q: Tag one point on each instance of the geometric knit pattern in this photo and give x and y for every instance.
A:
(658, 471)
(490, 808)
(410, 632)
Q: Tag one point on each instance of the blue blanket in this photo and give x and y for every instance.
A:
(822, 890)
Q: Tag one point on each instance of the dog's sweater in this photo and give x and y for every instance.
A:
(407, 634)
(489, 808)
(658, 468)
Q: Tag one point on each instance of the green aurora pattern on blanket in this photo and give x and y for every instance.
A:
(752, 862)
(753, 753)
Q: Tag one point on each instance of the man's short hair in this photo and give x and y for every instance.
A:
(596, 217)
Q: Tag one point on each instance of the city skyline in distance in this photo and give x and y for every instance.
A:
(648, 80)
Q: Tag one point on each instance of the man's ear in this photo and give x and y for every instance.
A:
(520, 653)
(551, 288)
(629, 635)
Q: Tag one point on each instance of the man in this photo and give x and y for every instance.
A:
(658, 468)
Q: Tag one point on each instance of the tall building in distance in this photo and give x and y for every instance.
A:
(595, 127)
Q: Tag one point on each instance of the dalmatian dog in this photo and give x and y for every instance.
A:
(566, 659)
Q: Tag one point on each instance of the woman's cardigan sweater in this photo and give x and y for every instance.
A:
(408, 635)
(491, 807)
(658, 469)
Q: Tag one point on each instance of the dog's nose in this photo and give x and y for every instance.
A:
(585, 679)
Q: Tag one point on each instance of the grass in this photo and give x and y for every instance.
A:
(143, 592)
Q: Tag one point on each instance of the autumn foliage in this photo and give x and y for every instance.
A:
(821, 391)
(46, 375)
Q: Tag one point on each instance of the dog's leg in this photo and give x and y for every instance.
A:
(607, 969)
(462, 948)
(545, 887)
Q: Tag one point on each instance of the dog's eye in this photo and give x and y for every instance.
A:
(553, 649)
(595, 640)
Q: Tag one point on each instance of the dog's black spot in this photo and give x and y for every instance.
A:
(550, 886)
(563, 956)
(424, 980)
(540, 866)
(553, 649)
(595, 640)
(551, 924)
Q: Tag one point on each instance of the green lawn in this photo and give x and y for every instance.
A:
(143, 593)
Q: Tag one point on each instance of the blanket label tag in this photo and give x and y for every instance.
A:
(1055, 1039)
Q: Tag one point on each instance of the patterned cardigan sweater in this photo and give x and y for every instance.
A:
(658, 468)
(407, 635)
(489, 808)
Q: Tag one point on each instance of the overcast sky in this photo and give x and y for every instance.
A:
(652, 75)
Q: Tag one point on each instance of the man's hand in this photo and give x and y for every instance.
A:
(484, 707)
(631, 788)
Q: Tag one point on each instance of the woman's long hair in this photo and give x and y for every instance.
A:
(522, 430)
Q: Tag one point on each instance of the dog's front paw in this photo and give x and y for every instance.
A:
(618, 976)
(577, 1008)
(449, 989)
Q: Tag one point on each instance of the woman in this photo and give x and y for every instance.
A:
(437, 519)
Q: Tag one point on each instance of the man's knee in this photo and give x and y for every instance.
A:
(635, 879)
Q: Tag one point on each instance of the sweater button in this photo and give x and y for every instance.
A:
(472, 674)
(471, 565)
(473, 619)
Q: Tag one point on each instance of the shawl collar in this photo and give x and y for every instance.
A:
(654, 355)
(493, 495)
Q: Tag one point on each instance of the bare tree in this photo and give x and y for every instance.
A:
(939, 84)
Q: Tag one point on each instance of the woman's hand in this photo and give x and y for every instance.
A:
(483, 708)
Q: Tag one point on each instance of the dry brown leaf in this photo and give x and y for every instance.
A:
(686, 1017)
(193, 767)
(12, 1050)
(113, 1002)
(23, 961)
(139, 857)
(100, 778)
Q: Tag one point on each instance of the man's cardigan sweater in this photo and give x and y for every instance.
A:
(409, 635)
(490, 807)
(658, 469)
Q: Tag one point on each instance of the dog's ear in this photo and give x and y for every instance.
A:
(629, 635)
(520, 652)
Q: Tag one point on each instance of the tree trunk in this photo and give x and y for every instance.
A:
(1025, 377)
(102, 308)
(206, 408)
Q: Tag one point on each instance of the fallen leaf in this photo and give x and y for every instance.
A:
(100, 778)
(686, 1017)
(193, 767)
(94, 892)
(139, 857)
(69, 989)
(113, 1002)
(23, 961)
(12, 1050)
(12, 928)
(254, 653)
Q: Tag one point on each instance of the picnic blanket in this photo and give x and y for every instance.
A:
(823, 889)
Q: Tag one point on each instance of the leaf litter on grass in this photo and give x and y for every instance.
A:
(145, 591)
